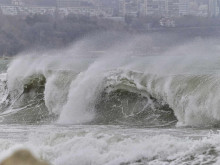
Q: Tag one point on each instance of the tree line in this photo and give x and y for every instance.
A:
(18, 33)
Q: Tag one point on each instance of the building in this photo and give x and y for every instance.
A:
(129, 7)
(83, 7)
(63, 8)
(17, 2)
(67, 3)
(184, 8)
(167, 22)
(9, 10)
(168, 8)
(143, 7)
(213, 8)
(156, 7)
(24, 10)
(172, 8)
(109, 8)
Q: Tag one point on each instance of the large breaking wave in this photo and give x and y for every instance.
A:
(179, 87)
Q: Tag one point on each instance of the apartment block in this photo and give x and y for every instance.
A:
(213, 8)
(156, 7)
(109, 8)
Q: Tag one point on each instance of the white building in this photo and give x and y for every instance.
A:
(213, 8)
(129, 7)
(156, 7)
(168, 8)
(88, 11)
(143, 7)
(17, 2)
(20, 9)
(184, 8)
(9, 10)
(67, 3)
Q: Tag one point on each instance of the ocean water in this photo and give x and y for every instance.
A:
(70, 107)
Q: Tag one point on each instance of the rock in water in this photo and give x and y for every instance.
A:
(22, 157)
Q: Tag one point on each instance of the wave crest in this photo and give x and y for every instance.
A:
(109, 91)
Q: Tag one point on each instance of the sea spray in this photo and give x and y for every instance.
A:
(119, 105)
(74, 85)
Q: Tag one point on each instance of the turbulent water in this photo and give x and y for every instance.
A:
(117, 107)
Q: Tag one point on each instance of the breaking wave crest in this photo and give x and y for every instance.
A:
(39, 99)
(113, 89)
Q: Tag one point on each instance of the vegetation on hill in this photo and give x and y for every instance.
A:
(19, 33)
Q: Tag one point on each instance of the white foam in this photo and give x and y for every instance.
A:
(114, 145)
(191, 89)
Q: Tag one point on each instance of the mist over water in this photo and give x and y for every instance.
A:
(130, 99)
(132, 79)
